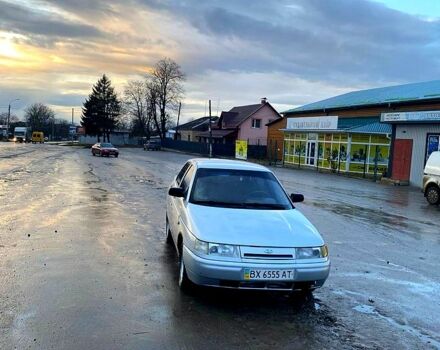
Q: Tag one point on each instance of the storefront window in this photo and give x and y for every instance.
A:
(360, 153)
(433, 144)
(379, 154)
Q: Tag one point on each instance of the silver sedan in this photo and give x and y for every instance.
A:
(234, 226)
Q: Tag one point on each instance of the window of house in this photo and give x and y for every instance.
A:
(256, 123)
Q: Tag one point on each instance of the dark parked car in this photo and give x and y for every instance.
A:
(105, 150)
(153, 145)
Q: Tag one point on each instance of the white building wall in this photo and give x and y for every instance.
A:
(115, 139)
(418, 133)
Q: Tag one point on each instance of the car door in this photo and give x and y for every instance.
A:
(171, 201)
(181, 203)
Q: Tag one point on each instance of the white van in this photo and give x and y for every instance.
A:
(431, 179)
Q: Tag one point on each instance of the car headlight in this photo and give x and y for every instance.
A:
(215, 249)
(225, 250)
(312, 253)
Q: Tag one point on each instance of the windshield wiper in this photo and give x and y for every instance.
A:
(264, 205)
(219, 204)
(241, 205)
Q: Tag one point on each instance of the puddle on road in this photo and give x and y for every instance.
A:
(365, 309)
(368, 215)
(370, 310)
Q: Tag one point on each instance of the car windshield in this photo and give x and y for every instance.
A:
(238, 189)
(106, 145)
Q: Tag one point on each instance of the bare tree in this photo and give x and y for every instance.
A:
(135, 105)
(39, 117)
(165, 85)
(4, 118)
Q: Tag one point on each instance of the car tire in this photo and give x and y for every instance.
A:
(116, 155)
(93, 154)
(169, 237)
(185, 283)
(432, 195)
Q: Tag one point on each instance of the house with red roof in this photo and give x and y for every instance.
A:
(242, 123)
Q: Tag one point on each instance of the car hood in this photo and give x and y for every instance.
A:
(274, 228)
(109, 149)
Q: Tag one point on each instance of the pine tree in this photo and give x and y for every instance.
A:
(101, 110)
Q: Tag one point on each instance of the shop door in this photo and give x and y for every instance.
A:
(402, 159)
(311, 153)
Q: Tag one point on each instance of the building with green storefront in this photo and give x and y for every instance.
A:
(389, 130)
(348, 145)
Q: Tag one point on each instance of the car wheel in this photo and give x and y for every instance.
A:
(185, 283)
(433, 195)
(116, 155)
(169, 237)
(93, 154)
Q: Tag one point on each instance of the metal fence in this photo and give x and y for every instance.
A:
(218, 149)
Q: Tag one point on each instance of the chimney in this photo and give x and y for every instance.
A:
(263, 100)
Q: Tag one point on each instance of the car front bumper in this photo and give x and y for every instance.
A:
(229, 274)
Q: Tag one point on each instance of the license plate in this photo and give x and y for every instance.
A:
(272, 275)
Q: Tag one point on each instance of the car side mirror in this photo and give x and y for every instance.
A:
(176, 192)
(296, 197)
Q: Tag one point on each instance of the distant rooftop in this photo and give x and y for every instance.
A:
(239, 114)
(391, 94)
(196, 123)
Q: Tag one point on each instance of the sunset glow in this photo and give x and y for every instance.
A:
(232, 53)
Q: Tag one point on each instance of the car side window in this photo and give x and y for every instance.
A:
(187, 179)
(182, 172)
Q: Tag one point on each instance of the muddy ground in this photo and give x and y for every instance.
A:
(83, 262)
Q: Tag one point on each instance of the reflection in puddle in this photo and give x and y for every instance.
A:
(368, 215)
(370, 310)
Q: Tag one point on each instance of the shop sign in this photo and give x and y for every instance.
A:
(426, 116)
(241, 149)
(328, 122)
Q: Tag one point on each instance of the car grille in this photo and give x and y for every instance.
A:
(267, 253)
(267, 256)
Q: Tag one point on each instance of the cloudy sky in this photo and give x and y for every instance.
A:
(232, 51)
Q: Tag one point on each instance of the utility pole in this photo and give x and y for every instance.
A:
(9, 116)
(7, 123)
(178, 118)
(210, 131)
(71, 133)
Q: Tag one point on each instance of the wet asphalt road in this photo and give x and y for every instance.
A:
(83, 264)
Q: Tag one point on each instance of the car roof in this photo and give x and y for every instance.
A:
(215, 163)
